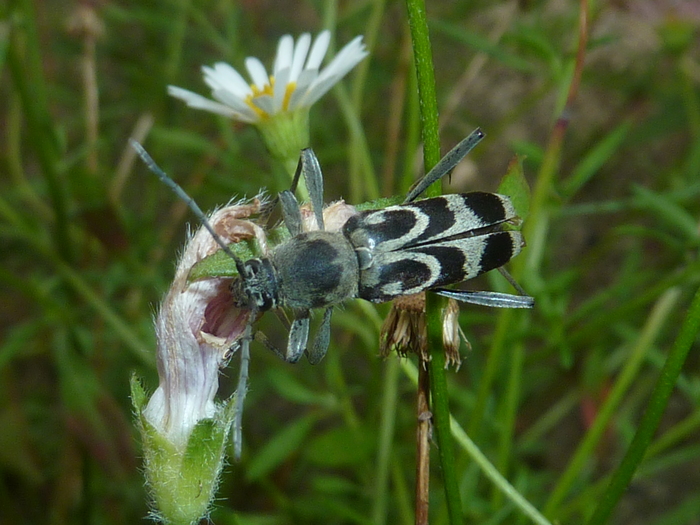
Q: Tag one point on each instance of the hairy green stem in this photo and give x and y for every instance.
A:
(422, 56)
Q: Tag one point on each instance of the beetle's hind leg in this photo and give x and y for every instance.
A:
(490, 299)
(322, 339)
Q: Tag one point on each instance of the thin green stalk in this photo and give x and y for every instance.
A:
(489, 470)
(179, 12)
(535, 228)
(427, 98)
(674, 435)
(25, 64)
(650, 421)
(361, 167)
(638, 352)
(507, 417)
(425, 73)
(363, 185)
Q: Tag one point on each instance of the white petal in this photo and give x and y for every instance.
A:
(281, 81)
(344, 61)
(306, 78)
(297, 100)
(196, 101)
(223, 76)
(318, 51)
(266, 103)
(300, 50)
(316, 91)
(304, 82)
(285, 50)
(257, 72)
(242, 110)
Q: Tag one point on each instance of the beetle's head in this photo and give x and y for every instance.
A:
(256, 288)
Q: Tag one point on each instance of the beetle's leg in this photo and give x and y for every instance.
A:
(262, 338)
(298, 331)
(290, 212)
(284, 319)
(298, 337)
(512, 281)
(322, 339)
(313, 176)
(491, 299)
(446, 164)
(241, 391)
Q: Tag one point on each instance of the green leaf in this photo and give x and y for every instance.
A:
(515, 186)
(677, 219)
(138, 394)
(219, 264)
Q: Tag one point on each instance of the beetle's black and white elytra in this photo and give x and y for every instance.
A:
(431, 243)
(378, 255)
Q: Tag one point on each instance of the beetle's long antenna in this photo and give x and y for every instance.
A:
(191, 204)
(447, 163)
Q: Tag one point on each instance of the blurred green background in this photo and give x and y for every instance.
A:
(553, 397)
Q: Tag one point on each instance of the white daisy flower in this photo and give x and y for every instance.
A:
(296, 80)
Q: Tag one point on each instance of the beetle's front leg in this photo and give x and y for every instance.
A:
(298, 337)
(313, 177)
(265, 341)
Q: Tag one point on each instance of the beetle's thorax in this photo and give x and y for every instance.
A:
(315, 270)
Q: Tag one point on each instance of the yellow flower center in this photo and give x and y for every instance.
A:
(269, 90)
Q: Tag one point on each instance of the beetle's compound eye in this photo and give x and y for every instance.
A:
(252, 268)
(238, 291)
(258, 299)
(257, 286)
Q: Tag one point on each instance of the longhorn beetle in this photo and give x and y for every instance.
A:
(420, 245)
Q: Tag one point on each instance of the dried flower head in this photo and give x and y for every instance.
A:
(335, 215)
(195, 328)
(184, 430)
(404, 330)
